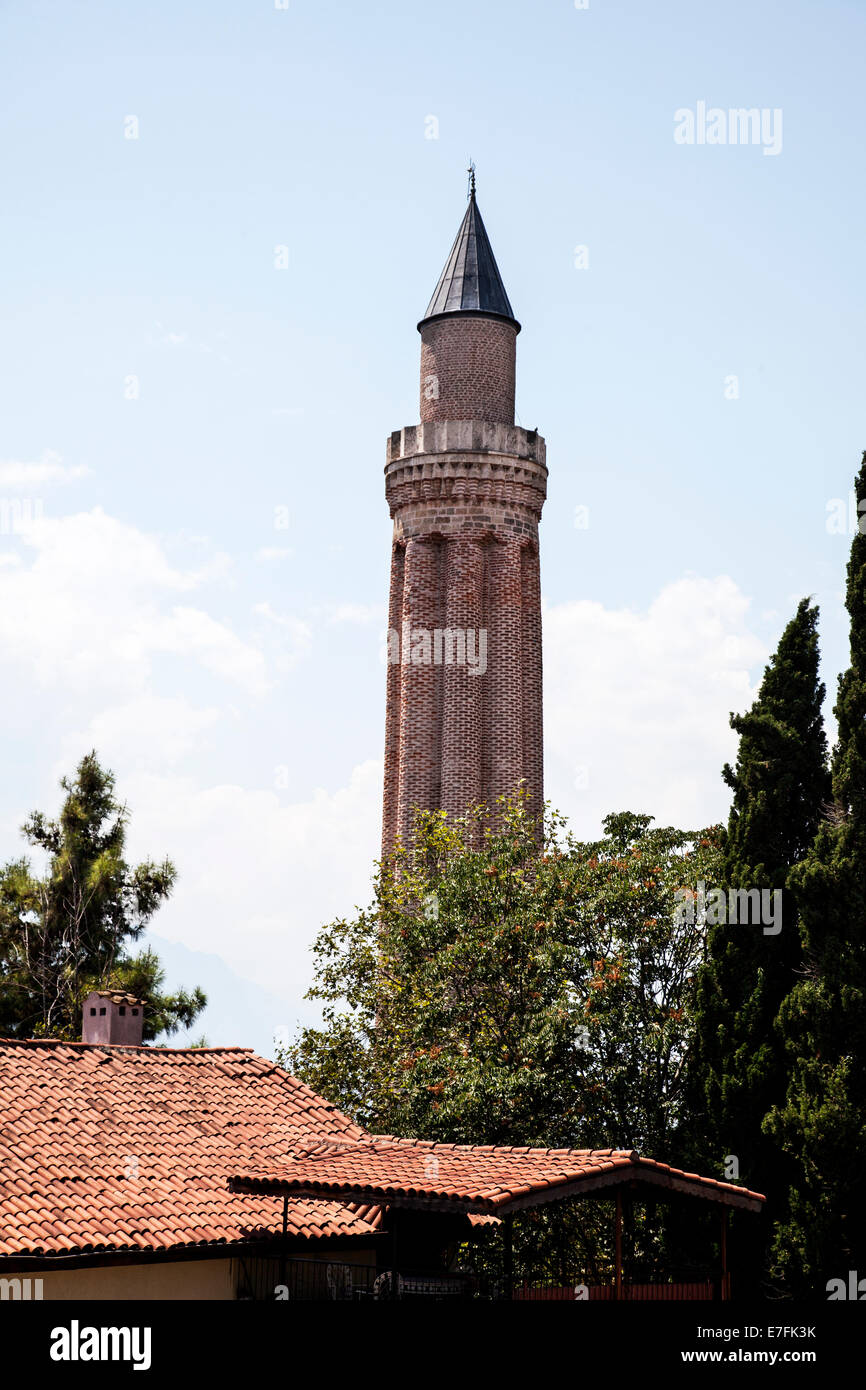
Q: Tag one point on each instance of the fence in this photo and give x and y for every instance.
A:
(341, 1281)
(269, 1279)
(695, 1287)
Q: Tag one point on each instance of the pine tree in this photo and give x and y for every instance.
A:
(739, 1068)
(68, 930)
(821, 1123)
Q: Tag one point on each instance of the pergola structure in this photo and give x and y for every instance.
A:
(481, 1181)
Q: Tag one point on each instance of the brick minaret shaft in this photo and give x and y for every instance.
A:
(465, 488)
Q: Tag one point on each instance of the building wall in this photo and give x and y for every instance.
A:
(187, 1279)
(213, 1280)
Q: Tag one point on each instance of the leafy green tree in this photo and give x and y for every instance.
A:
(533, 991)
(821, 1123)
(739, 1069)
(67, 930)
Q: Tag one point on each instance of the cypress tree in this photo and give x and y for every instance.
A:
(821, 1123)
(739, 1068)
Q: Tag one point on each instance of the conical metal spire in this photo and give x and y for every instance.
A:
(471, 284)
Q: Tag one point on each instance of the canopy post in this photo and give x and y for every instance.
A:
(508, 1238)
(394, 1275)
(618, 1244)
(723, 1243)
(284, 1239)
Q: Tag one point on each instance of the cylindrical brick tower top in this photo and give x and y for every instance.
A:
(468, 334)
(467, 369)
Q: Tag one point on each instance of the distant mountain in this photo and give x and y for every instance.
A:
(239, 1013)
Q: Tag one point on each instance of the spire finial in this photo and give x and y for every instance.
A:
(470, 282)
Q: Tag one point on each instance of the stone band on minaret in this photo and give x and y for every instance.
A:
(465, 489)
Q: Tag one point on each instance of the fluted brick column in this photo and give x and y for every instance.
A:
(504, 706)
(533, 733)
(419, 765)
(462, 691)
(392, 698)
(466, 498)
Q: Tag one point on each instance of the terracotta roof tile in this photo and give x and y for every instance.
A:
(471, 1178)
(142, 1148)
(130, 1148)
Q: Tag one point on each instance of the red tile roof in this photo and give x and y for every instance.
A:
(130, 1148)
(116, 1148)
(472, 1178)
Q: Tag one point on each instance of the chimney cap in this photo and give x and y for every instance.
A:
(116, 996)
(113, 1016)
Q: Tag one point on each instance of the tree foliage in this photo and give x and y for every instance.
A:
(739, 1067)
(535, 990)
(821, 1123)
(67, 929)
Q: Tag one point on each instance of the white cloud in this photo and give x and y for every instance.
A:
(273, 552)
(257, 877)
(103, 648)
(637, 704)
(181, 338)
(93, 609)
(14, 473)
(191, 632)
(146, 732)
(286, 639)
(358, 614)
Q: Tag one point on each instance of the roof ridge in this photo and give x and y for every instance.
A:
(534, 1149)
(150, 1048)
(327, 1145)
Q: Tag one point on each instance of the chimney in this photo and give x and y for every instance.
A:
(112, 1017)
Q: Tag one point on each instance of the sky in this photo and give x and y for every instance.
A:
(219, 226)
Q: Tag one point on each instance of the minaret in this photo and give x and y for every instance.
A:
(465, 488)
